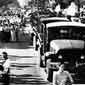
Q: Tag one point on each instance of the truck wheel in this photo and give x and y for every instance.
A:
(41, 63)
(40, 51)
(49, 75)
(36, 47)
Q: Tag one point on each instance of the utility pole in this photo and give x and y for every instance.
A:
(79, 11)
(79, 6)
(32, 5)
(37, 5)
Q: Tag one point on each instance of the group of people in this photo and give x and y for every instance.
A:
(7, 19)
(11, 21)
(64, 7)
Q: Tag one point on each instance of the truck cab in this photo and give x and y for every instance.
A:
(41, 29)
(64, 42)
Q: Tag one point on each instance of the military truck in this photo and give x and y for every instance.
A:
(43, 33)
(41, 28)
(63, 42)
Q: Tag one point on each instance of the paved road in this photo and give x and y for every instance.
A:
(24, 65)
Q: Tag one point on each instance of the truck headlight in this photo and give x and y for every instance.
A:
(82, 57)
(47, 54)
(60, 57)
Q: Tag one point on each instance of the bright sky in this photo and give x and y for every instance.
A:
(22, 2)
(71, 10)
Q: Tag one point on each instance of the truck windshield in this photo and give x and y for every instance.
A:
(66, 32)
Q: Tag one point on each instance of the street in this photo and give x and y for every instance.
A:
(25, 68)
(57, 27)
(24, 64)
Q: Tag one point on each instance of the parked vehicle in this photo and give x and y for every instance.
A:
(40, 30)
(63, 42)
(44, 30)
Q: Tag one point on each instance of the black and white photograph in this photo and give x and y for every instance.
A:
(42, 42)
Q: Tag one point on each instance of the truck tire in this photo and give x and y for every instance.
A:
(41, 63)
(49, 75)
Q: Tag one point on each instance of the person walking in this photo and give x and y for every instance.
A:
(62, 77)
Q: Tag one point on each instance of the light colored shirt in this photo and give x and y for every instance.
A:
(6, 65)
(62, 78)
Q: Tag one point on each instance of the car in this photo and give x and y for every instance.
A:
(64, 42)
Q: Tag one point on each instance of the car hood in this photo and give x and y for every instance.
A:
(66, 44)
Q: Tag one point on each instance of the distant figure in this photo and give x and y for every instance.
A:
(62, 77)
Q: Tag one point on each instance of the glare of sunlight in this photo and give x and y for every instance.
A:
(57, 9)
(22, 3)
(71, 10)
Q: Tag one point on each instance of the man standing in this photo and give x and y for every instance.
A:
(62, 77)
(6, 68)
(6, 62)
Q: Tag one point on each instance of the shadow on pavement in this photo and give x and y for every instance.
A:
(28, 79)
(23, 66)
(5, 80)
(15, 56)
(16, 45)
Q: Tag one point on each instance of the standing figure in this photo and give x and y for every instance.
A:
(62, 77)
(6, 68)
(6, 62)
